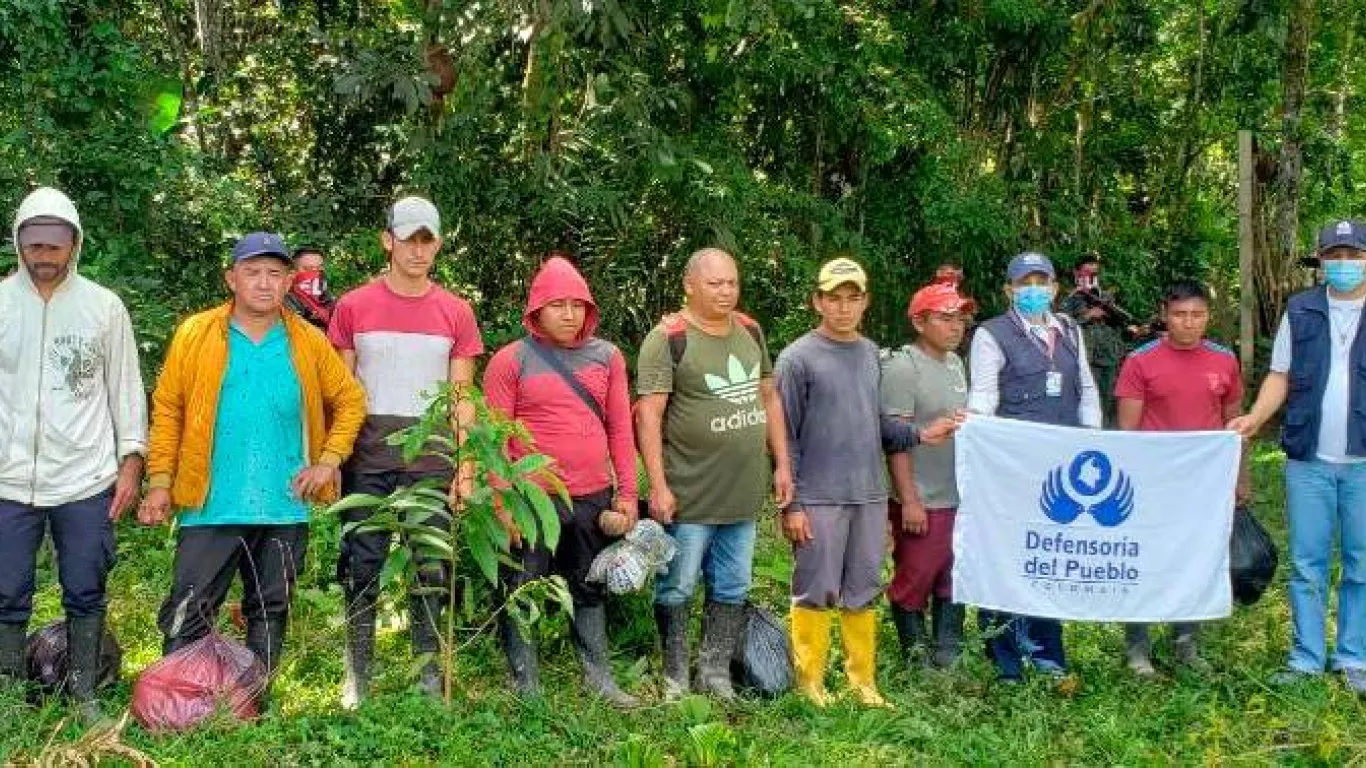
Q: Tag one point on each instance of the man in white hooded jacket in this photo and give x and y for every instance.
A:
(73, 432)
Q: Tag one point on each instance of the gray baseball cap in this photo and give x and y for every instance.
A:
(410, 214)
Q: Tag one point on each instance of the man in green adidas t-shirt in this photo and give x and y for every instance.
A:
(707, 409)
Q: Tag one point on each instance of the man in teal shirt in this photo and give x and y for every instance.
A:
(262, 402)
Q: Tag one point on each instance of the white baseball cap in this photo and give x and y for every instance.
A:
(410, 214)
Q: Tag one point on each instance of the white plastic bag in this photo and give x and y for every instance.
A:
(626, 565)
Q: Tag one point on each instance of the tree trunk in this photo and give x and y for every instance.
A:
(208, 26)
(1339, 162)
(1293, 79)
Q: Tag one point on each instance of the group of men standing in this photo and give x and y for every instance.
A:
(258, 413)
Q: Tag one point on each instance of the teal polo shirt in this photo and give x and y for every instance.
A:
(258, 444)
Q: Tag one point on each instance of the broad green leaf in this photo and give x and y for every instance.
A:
(483, 554)
(355, 501)
(531, 464)
(165, 111)
(546, 513)
(395, 564)
(522, 517)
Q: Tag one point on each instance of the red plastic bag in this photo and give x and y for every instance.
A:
(210, 676)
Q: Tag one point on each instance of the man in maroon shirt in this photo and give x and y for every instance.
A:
(569, 388)
(1180, 382)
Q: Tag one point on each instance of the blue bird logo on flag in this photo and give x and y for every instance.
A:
(1086, 486)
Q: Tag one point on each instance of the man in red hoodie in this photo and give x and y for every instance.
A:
(570, 390)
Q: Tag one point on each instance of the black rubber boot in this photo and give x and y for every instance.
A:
(672, 621)
(912, 633)
(948, 620)
(266, 639)
(1138, 650)
(590, 640)
(83, 637)
(1186, 647)
(722, 627)
(424, 633)
(358, 655)
(13, 664)
(522, 662)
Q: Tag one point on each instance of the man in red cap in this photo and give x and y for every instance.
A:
(952, 274)
(921, 383)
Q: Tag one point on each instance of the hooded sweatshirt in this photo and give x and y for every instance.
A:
(588, 453)
(72, 404)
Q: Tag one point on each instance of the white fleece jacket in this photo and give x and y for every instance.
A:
(72, 404)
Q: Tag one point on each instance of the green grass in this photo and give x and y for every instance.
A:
(1231, 716)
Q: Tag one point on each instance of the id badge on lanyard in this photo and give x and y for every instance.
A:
(1053, 381)
(1053, 384)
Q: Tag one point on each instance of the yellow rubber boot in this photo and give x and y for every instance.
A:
(858, 633)
(810, 647)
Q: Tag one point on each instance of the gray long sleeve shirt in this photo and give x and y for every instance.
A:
(836, 433)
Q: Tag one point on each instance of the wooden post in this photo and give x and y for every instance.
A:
(1247, 291)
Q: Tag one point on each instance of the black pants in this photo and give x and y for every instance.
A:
(362, 556)
(580, 541)
(267, 557)
(83, 536)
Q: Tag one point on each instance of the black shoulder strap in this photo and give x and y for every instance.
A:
(678, 340)
(557, 365)
(678, 344)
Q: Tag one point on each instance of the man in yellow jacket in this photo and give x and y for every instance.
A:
(253, 415)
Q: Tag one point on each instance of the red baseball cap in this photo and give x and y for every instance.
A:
(940, 297)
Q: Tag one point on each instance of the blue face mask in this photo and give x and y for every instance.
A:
(1344, 275)
(1032, 300)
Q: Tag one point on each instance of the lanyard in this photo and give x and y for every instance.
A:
(1047, 341)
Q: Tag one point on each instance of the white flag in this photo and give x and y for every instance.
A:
(1101, 526)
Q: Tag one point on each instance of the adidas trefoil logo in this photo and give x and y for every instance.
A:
(738, 387)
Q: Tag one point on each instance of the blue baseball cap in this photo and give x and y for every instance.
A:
(1344, 233)
(1028, 263)
(256, 244)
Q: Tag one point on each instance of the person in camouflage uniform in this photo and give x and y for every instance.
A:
(1102, 330)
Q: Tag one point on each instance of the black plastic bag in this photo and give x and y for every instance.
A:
(1252, 557)
(49, 663)
(763, 661)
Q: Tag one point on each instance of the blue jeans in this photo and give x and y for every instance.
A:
(722, 554)
(1324, 500)
(1012, 639)
(83, 537)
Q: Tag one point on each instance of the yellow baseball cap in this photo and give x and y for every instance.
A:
(837, 272)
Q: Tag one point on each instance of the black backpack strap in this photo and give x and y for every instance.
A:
(678, 339)
(678, 344)
(557, 365)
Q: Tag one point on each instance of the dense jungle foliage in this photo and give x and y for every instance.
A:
(629, 133)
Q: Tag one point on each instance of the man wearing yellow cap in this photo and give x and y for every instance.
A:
(828, 380)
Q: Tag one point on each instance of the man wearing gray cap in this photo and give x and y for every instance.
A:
(1318, 371)
(1030, 364)
(73, 420)
(404, 336)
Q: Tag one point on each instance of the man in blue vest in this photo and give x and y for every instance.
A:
(1318, 370)
(1030, 364)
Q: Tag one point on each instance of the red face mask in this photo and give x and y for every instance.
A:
(310, 283)
(1088, 279)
